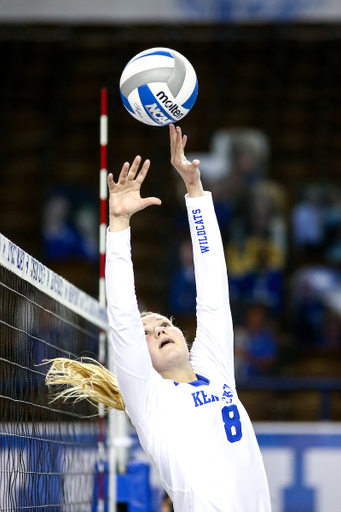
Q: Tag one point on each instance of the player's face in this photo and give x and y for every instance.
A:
(166, 344)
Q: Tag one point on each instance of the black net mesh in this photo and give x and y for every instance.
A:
(48, 451)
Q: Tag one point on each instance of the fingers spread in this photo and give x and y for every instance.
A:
(172, 133)
(172, 137)
(130, 173)
(178, 143)
(178, 138)
(134, 168)
(124, 172)
(111, 183)
(143, 172)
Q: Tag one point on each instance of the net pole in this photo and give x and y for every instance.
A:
(102, 299)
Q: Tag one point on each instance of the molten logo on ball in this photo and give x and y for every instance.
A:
(172, 107)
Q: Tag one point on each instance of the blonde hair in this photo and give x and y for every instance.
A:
(85, 379)
(147, 312)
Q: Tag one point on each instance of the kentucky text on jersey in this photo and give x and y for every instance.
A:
(201, 398)
(201, 232)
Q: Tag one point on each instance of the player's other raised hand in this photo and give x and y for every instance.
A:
(189, 171)
(125, 194)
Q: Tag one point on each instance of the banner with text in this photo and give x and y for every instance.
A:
(168, 11)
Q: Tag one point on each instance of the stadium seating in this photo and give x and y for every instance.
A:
(281, 80)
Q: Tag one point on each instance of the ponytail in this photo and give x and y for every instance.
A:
(84, 379)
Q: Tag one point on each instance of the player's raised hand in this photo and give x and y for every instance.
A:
(189, 171)
(125, 197)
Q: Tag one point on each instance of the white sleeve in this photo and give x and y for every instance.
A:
(132, 362)
(213, 345)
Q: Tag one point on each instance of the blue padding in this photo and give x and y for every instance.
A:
(123, 488)
(133, 487)
(299, 499)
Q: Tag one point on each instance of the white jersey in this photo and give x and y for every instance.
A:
(198, 434)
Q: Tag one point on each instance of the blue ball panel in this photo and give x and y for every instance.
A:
(159, 52)
(191, 100)
(126, 103)
(160, 116)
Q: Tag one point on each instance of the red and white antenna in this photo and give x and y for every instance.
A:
(103, 195)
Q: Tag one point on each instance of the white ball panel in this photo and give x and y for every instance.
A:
(146, 63)
(188, 85)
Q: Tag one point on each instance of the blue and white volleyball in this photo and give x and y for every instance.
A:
(159, 86)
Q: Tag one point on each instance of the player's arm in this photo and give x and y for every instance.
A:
(133, 365)
(214, 331)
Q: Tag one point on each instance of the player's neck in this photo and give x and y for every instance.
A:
(184, 374)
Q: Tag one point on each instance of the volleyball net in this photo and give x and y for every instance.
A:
(49, 457)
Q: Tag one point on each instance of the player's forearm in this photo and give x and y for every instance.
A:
(208, 252)
(120, 285)
(124, 317)
(215, 330)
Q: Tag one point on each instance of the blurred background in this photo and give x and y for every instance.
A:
(267, 128)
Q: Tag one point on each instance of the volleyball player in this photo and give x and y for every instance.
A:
(184, 405)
